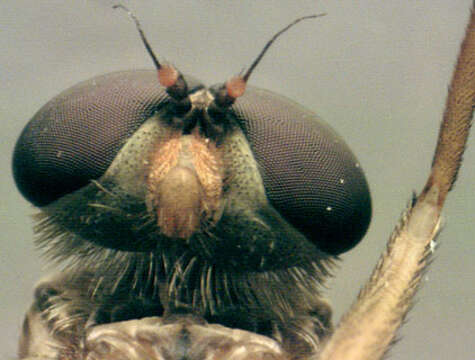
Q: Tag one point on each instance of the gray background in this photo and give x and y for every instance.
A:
(377, 71)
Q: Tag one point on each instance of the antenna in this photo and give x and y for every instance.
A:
(236, 86)
(142, 34)
(168, 76)
(271, 41)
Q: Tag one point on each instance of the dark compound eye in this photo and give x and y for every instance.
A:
(311, 176)
(75, 136)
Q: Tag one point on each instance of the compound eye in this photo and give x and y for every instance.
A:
(311, 176)
(74, 137)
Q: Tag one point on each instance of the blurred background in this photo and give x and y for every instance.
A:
(376, 71)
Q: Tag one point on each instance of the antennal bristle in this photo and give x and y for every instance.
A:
(142, 34)
(269, 43)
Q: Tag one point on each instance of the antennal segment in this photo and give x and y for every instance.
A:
(168, 76)
(236, 86)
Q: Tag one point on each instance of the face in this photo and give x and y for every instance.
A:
(380, 155)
